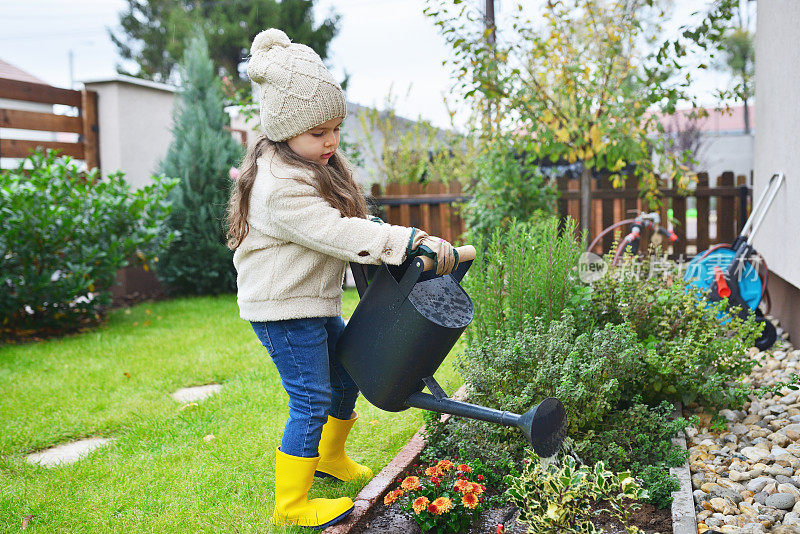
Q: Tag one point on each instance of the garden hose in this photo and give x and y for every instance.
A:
(604, 232)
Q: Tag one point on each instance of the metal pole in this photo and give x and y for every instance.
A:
(490, 21)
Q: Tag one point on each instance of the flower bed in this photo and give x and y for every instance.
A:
(617, 351)
(462, 509)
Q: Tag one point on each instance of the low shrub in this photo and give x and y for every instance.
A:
(65, 234)
(588, 372)
(695, 351)
(562, 497)
(639, 439)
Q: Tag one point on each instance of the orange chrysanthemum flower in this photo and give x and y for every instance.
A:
(410, 484)
(469, 500)
(477, 489)
(444, 464)
(464, 468)
(462, 485)
(420, 504)
(432, 471)
(392, 496)
(443, 504)
(432, 508)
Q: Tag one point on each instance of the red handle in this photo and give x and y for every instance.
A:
(722, 284)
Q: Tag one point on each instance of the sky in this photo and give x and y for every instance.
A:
(384, 45)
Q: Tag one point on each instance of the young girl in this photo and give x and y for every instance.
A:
(296, 217)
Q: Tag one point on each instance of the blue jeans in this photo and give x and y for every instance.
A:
(317, 384)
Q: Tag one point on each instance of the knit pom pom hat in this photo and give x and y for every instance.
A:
(297, 91)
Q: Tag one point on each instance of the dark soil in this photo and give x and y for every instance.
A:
(391, 519)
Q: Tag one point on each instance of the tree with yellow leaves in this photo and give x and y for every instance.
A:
(583, 84)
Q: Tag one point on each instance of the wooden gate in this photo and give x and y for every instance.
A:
(85, 124)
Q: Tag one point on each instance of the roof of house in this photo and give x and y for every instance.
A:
(10, 72)
(718, 121)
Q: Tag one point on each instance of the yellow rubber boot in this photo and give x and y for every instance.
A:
(293, 478)
(334, 461)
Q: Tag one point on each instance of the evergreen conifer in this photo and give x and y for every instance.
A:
(200, 156)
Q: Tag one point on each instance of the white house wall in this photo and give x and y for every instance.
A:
(777, 140)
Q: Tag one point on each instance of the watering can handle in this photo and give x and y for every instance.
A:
(465, 253)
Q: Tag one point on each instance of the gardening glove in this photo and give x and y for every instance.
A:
(440, 251)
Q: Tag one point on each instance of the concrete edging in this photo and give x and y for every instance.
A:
(371, 494)
(684, 520)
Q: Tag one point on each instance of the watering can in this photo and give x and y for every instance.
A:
(404, 326)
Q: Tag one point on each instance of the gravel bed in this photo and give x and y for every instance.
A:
(746, 479)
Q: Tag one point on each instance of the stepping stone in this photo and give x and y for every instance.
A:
(196, 393)
(67, 453)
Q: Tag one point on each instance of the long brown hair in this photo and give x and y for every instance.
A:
(333, 181)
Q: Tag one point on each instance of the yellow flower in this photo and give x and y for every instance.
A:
(432, 471)
(464, 468)
(444, 464)
(469, 500)
(463, 485)
(410, 484)
(477, 489)
(392, 496)
(443, 504)
(420, 504)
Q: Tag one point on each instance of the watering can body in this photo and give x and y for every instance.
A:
(402, 329)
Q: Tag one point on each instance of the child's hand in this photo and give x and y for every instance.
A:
(437, 249)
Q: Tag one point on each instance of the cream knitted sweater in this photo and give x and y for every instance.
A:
(292, 262)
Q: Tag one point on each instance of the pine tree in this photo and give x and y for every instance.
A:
(200, 156)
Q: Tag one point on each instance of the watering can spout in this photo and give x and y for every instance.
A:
(544, 426)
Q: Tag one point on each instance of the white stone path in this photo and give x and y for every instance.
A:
(73, 451)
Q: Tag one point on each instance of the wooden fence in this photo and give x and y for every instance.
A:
(610, 205)
(85, 124)
(434, 207)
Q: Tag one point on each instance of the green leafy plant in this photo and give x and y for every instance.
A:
(581, 83)
(639, 439)
(446, 497)
(65, 235)
(558, 498)
(695, 350)
(660, 485)
(508, 185)
(527, 269)
(588, 372)
(200, 156)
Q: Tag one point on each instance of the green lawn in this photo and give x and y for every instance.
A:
(159, 475)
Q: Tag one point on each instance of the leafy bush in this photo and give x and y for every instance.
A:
(200, 156)
(65, 235)
(508, 185)
(691, 354)
(528, 269)
(560, 498)
(659, 484)
(588, 372)
(639, 438)
(445, 497)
